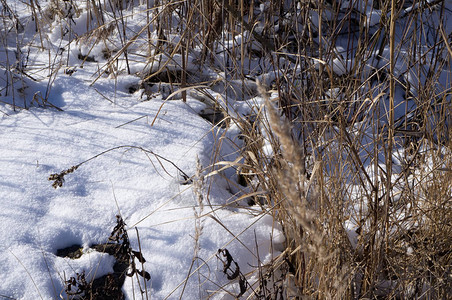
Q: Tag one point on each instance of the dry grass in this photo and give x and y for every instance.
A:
(364, 197)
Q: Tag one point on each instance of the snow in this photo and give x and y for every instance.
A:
(147, 190)
(132, 155)
(39, 219)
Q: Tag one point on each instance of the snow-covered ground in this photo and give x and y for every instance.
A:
(137, 151)
(180, 233)
(38, 219)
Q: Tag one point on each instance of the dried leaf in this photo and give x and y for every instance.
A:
(139, 256)
(242, 284)
(144, 274)
(227, 255)
(131, 272)
(235, 274)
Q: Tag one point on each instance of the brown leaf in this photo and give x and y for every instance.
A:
(139, 256)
